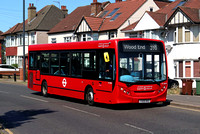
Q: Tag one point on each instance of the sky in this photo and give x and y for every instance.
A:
(11, 11)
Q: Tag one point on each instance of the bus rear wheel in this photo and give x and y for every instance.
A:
(90, 97)
(44, 89)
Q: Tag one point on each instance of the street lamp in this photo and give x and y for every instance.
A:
(24, 66)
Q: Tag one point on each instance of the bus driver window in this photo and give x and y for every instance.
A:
(106, 65)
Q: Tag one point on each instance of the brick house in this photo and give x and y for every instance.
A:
(36, 27)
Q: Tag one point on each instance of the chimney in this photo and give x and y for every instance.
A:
(118, 1)
(64, 10)
(96, 8)
(31, 12)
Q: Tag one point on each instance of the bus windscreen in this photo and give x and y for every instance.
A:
(141, 61)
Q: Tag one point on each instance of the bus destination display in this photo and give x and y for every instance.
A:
(142, 47)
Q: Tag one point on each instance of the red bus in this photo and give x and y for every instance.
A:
(109, 71)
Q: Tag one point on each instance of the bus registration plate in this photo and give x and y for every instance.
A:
(144, 101)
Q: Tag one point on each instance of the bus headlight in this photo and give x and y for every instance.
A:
(125, 91)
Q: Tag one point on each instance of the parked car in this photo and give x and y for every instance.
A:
(172, 83)
(4, 67)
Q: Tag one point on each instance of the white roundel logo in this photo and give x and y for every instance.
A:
(64, 82)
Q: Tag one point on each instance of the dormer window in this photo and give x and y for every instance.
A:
(151, 9)
(113, 12)
(115, 17)
(103, 14)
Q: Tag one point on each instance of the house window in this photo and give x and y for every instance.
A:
(53, 40)
(147, 34)
(33, 38)
(12, 40)
(180, 35)
(7, 41)
(133, 35)
(8, 60)
(67, 39)
(151, 9)
(86, 37)
(196, 69)
(112, 35)
(20, 58)
(187, 69)
(187, 34)
(83, 38)
(20, 39)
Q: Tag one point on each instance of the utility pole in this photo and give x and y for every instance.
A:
(24, 63)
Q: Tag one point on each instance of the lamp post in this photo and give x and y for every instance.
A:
(24, 63)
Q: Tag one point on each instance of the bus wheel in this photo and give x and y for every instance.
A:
(44, 89)
(90, 96)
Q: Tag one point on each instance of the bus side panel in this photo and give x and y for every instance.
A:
(65, 86)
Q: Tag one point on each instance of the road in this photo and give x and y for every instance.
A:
(23, 111)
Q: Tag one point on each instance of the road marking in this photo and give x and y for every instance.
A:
(4, 92)
(4, 129)
(81, 111)
(7, 130)
(145, 130)
(28, 97)
(190, 109)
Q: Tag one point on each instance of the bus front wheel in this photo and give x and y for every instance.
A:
(90, 97)
(44, 89)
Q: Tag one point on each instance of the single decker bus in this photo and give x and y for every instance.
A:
(108, 71)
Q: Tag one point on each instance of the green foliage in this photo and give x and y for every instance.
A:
(15, 65)
(175, 90)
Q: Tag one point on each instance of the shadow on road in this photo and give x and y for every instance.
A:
(13, 119)
(110, 106)
(134, 106)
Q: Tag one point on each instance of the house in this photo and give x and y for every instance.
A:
(177, 24)
(2, 48)
(104, 24)
(184, 56)
(36, 27)
(64, 30)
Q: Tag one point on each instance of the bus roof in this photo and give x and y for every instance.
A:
(82, 45)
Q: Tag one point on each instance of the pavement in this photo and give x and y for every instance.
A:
(186, 101)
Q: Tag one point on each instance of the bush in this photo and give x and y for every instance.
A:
(15, 65)
(174, 90)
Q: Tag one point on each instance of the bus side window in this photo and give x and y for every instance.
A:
(31, 60)
(64, 63)
(54, 64)
(37, 61)
(76, 64)
(45, 63)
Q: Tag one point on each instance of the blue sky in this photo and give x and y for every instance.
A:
(11, 11)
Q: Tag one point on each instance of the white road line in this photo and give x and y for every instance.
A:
(129, 125)
(81, 111)
(28, 97)
(4, 92)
